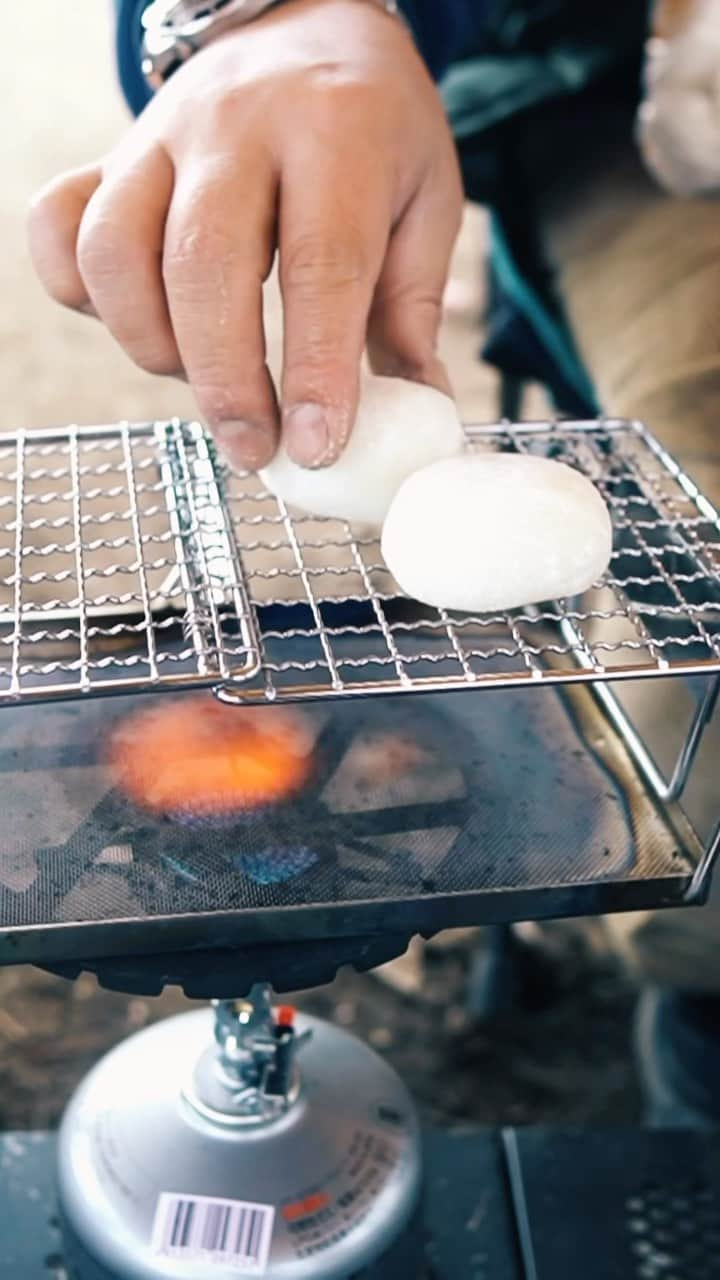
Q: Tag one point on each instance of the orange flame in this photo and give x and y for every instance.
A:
(199, 757)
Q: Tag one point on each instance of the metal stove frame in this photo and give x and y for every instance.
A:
(135, 564)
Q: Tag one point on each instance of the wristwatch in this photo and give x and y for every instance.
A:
(176, 29)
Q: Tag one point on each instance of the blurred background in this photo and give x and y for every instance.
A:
(563, 1056)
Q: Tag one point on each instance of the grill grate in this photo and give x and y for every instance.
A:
(128, 561)
(118, 568)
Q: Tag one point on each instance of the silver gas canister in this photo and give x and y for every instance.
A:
(280, 1147)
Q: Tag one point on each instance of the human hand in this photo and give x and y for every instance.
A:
(315, 132)
(679, 118)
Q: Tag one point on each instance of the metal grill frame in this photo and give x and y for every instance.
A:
(242, 669)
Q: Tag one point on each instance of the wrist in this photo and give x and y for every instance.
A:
(177, 29)
(390, 8)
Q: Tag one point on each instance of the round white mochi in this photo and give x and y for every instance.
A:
(400, 427)
(488, 533)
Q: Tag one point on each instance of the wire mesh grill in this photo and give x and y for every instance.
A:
(128, 560)
(117, 563)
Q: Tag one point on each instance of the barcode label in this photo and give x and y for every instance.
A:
(226, 1232)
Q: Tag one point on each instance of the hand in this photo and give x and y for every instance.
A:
(679, 118)
(315, 131)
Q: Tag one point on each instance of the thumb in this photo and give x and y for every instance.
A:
(407, 307)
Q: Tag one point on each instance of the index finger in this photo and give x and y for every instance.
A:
(334, 231)
(218, 250)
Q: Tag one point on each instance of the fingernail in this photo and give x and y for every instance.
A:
(307, 435)
(244, 445)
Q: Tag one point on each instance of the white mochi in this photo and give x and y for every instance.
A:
(400, 427)
(491, 532)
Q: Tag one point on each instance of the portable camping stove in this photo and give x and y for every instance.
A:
(280, 1146)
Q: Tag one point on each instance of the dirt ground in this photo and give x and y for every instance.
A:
(562, 1060)
(565, 1059)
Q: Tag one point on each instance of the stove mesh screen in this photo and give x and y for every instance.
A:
(526, 794)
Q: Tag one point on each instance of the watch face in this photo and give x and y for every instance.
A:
(173, 16)
(175, 29)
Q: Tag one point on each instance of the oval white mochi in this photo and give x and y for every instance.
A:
(488, 533)
(400, 427)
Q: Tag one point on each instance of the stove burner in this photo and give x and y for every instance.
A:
(360, 767)
(378, 781)
(198, 762)
(275, 866)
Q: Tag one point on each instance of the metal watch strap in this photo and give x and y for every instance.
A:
(176, 29)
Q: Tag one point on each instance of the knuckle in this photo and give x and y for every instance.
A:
(62, 284)
(68, 293)
(313, 264)
(52, 254)
(407, 323)
(406, 303)
(198, 256)
(50, 205)
(313, 357)
(187, 246)
(329, 81)
(220, 401)
(224, 107)
(101, 250)
(333, 90)
(227, 370)
(160, 361)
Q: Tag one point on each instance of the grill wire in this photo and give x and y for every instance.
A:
(129, 561)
